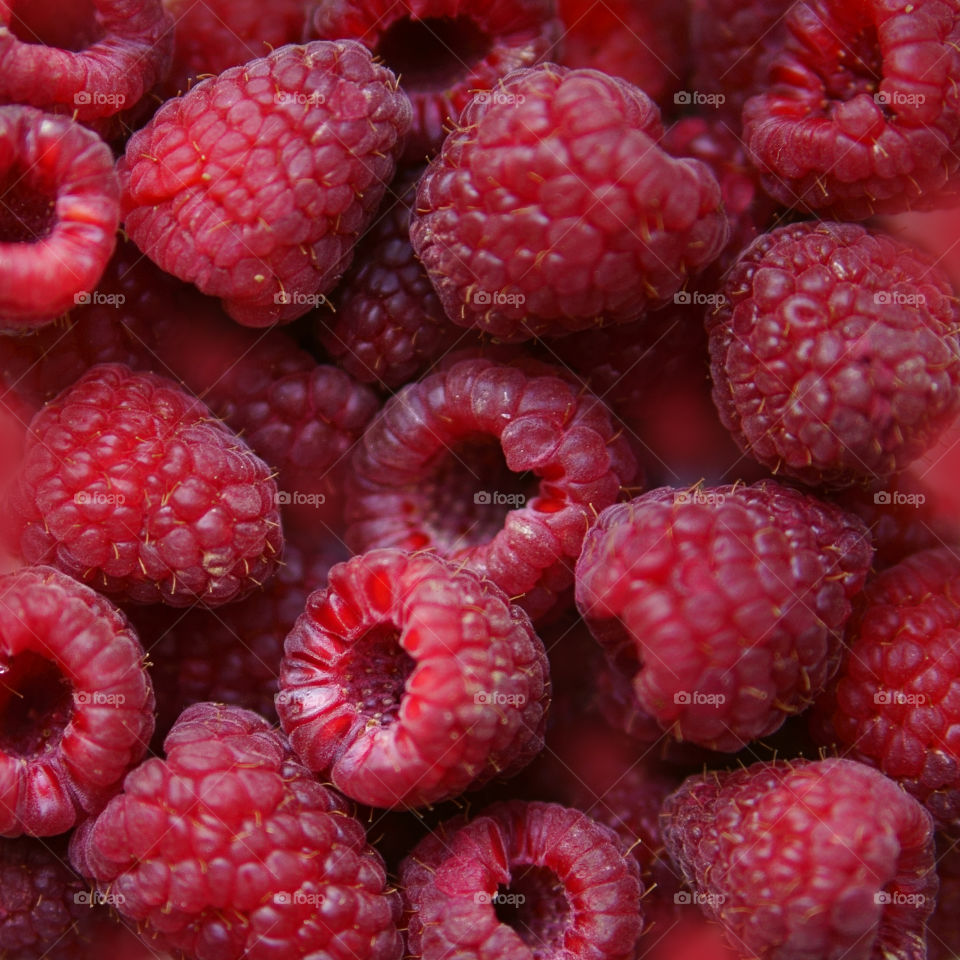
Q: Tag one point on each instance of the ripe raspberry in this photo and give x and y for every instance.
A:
(229, 848)
(438, 468)
(128, 483)
(256, 184)
(725, 603)
(443, 51)
(860, 112)
(835, 355)
(389, 325)
(522, 880)
(59, 210)
(551, 207)
(409, 680)
(89, 60)
(798, 860)
(76, 705)
(943, 935)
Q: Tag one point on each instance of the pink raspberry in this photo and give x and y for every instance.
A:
(408, 680)
(129, 483)
(256, 184)
(76, 704)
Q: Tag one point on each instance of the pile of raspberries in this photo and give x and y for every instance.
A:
(478, 480)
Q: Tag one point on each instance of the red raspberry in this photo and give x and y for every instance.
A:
(726, 603)
(894, 704)
(797, 860)
(229, 848)
(860, 112)
(128, 483)
(943, 935)
(389, 325)
(89, 60)
(835, 353)
(437, 468)
(409, 680)
(551, 207)
(256, 184)
(442, 51)
(522, 881)
(76, 705)
(59, 210)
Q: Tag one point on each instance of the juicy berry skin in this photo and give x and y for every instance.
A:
(228, 848)
(551, 208)
(256, 184)
(835, 355)
(129, 484)
(894, 702)
(726, 603)
(410, 680)
(799, 860)
(578, 896)
(860, 111)
(76, 705)
(429, 474)
(59, 211)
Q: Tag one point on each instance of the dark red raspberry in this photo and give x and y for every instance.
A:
(59, 210)
(860, 110)
(255, 185)
(726, 603)
(409, 680)
(229, 848)
(443, 51)
(835, 353)
(551, 208)
(128, 483)
(76, 705)
(389, 325)
(828, 859)
(894, 704)
(491, 466)
(522, 881)
(943, 934)
(90, 60)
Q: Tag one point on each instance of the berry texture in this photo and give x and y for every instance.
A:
(835, 354)
(228, 848)
(59, 210)
(76, 710)
(522, 881)
(438, 469)
(551, 208)
(443, 51)
(943, 936)
(129, 484)
(256, 184)
(798, 860)
(725, 603)
(860, 111)
(409, 680)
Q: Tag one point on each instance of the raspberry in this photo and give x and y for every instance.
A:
(522, 880)
(551, 207)
(59, 210)
(943, 935)
(128, 483)
(410, 680)
(893, 704)
(860, 113)
(90, 60)
(228, 848)
(828, 859)
(835, 354)
(429, 473)
(76, 705)
(389, 325)
(726, 603)
(443, 51)
(255, 185)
